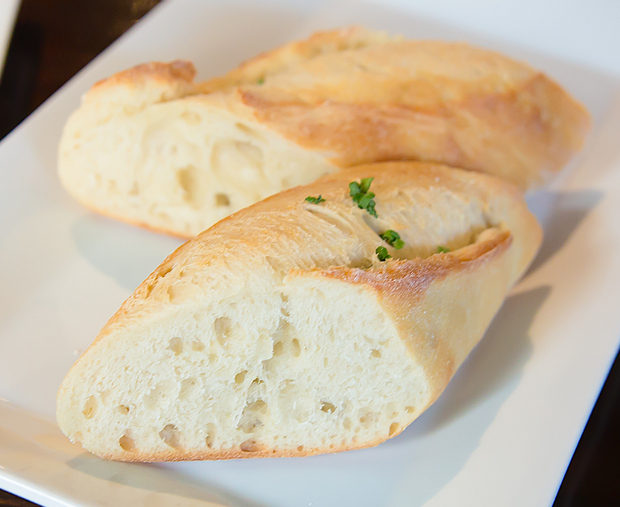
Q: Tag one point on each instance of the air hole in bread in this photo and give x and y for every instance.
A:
(90, 407)
(327, 407)
(325, 362)
(190, 117)
(394, 428)
(123, 409)
(409, 409)
(375, 353)
(222, 200)
(149, 289)
(226, 330)
(176, 346)
(248, 131)
(170, 435)
(284, 308)
(197, 345)
(156, 395)
(392, 410)
(368, 418)
(300, 448)
(210, 439)
(258, 406)
(239, 164)
(240, 377)
(161, 272)
(189, 181)
(249, 445)
(295, 347)
(135, 189)
(127, 443)
(256, 382)
(277, 265)
(347, 424)
(178, 293)
(249, 425)
(278, 349)
(251, 417)
(188, 386)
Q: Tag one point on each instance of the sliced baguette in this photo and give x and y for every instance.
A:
(152, 147)
(278, 332)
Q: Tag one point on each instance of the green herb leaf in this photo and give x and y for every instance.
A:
(392, 238)
(362, 197)
(382, 253)
(371, 209)
(260, 80)
(442, 249)
(354, 189)
(365, 184)
(365, 200)
(315, 200)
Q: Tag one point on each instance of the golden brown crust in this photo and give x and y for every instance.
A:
(271, 62)
(181, 455)
(172, 72)
(424, 100)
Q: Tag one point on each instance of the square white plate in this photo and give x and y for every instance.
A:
(505, 429)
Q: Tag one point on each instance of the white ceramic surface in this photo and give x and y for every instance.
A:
(504, 430)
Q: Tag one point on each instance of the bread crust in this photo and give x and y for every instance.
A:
(355, 96)
(431, 101)
(424, 100)
(413, 292)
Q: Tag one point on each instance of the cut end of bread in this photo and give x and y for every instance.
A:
(185, 164)
(270, 373)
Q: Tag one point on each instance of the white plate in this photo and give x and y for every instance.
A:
(505, 429)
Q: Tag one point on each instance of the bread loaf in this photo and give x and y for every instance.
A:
(152, 147)
(280, 332)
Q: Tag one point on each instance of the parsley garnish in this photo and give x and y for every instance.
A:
(392, 238)
(260, 80)
(442, 249)
(362, 197)
(382, 253)
(314, 200)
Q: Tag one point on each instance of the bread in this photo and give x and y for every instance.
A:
(279, 332)
(152, 147)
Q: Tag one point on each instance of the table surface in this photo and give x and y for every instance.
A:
(53, 39)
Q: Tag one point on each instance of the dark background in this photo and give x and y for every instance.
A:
(54, 39)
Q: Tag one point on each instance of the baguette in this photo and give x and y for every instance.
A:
(279, 332)
(152, 147)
